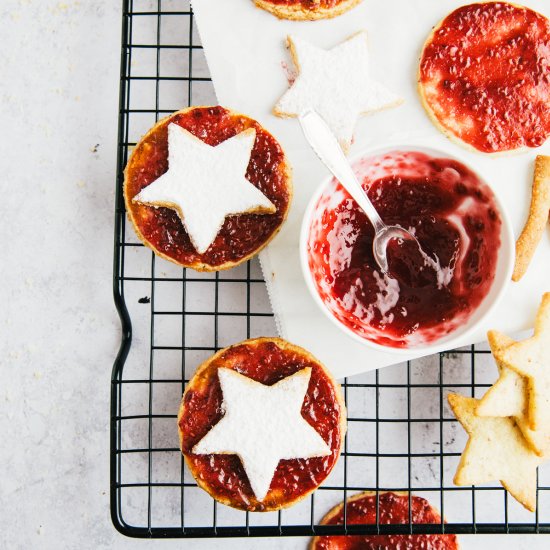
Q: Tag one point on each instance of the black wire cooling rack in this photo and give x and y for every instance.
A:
(401, 434)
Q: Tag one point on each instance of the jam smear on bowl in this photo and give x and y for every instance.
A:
(453, 215)
(393, 508)
(485, 75)
(240, 235)
(224, 475)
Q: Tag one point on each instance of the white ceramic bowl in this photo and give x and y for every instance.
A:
(505, 263)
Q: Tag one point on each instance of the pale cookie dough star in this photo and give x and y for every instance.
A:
(496, 451)
(336, 84)
(205, 184)
(531, 358)
(263, 425)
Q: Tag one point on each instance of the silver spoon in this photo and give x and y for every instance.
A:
(327, 148)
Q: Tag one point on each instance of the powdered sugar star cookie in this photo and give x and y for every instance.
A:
(205, 184)
(263, 425)
(336, 84)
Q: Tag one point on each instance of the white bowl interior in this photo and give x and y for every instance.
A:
(503, 271)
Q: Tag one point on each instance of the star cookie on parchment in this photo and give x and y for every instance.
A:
(205, 184)
(336, 84)
(496, 451)
(263, 425)
(531, 358)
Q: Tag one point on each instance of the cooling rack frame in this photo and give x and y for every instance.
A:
(156, 11)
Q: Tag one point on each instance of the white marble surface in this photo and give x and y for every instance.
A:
(59, 330)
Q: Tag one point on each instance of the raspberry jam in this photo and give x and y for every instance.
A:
(392, 509)
(454, 217)
(224, 475)
(486, 76)
(240, 235)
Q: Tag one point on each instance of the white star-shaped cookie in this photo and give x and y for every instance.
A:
(205, 184)
(496, 451)
(263, 425)
(336, 84)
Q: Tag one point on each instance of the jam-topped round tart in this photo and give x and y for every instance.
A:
(455, 218)
(267, 363)
(306, 10)
(393, 508)
(241, 235)
(484, 76)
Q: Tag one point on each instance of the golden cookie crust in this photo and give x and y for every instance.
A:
(200, 378)
(537, 220)
(133, 166)
(297, 12)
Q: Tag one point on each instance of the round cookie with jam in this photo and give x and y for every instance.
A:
(393, 508)
(261, 424)
(207, 188)
(306, 10)
(484, 77)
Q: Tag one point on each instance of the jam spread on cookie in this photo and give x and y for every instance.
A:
(486, 76)
(454, 217)
(241, 234)
(392, 509)
(308, 4)
(224, 474)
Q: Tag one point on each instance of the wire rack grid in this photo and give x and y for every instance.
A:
(401, 434)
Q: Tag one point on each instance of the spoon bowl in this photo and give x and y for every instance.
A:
(382, 239)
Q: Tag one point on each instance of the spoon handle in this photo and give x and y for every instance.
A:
(327, 148)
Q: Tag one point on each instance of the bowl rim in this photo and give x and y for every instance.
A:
(507, 242)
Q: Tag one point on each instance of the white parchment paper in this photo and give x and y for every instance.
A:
(248, 61)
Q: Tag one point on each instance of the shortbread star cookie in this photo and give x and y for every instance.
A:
(539, 439)
(539, 212)
(509, 397)
(336, 84)
(531, 358)
(207, 188)
(306, 10)
(496, 451)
